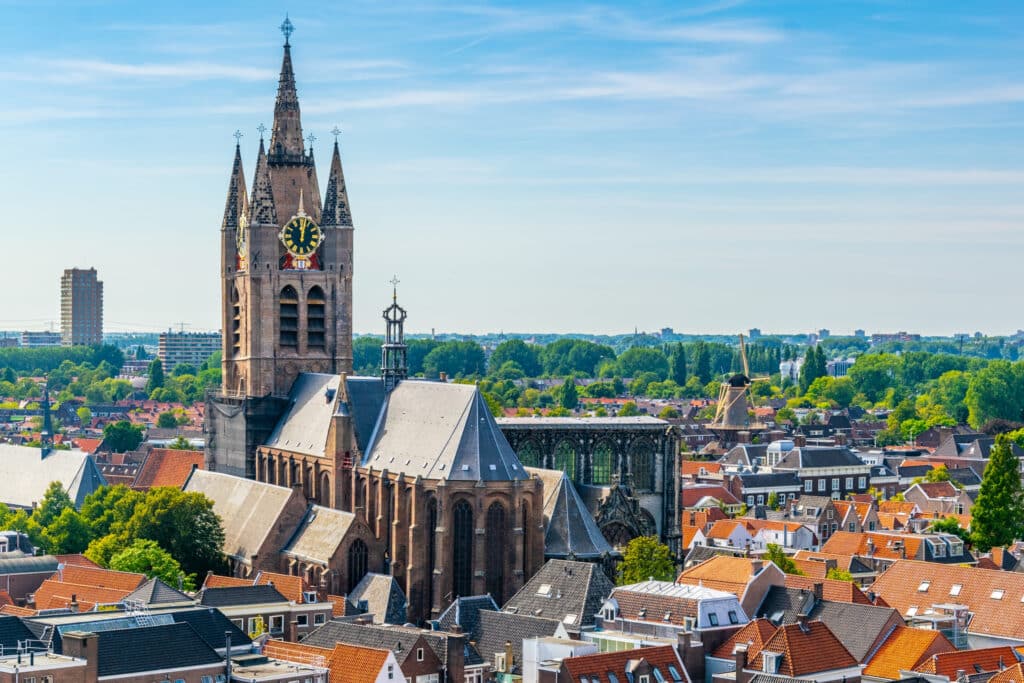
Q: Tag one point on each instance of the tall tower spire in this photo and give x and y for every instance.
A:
(262, 211)
(336, 208)
(286, 142)
(394, 362)
(238, 201)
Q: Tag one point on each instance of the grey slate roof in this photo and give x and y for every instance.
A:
(248, 509)
(497, 627)
(137, 650)
(398, 639)
(365, 399)
(156, 592)
(27, 564)
(703, 553)
(562, 589)
(312, 402)
(211, 625)
(465, 612)
(571, 530)
(26, 474)
(857, 626)
(231, 596)
(382, 598)
(753, 480)
(441, 431)
(318, 536)
(815, 457)
(12, 630)
(745, 454)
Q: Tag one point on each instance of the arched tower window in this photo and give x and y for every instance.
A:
(641, 464)
(358, 561)
(565, 459)
(462, 550)
(601, 464)
(530, 455)
(497, 548)
(289, 316)
(431, 551)
(236, 323)
(315, 327)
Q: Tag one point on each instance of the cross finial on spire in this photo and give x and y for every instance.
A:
(394, 288)
(262, 129)
(336, 132)
(238, 137)
(311, 139)
(287, 28)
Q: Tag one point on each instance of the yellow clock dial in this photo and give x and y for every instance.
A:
(301, 236)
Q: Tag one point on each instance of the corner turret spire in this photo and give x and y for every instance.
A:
(262, 211)
(238, 201)
(336, 208)
(286, 142)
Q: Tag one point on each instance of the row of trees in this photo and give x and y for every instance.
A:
(164, 532)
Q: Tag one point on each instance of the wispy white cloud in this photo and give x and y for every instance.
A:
(89, 70)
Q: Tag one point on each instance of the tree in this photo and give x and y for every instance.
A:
(180, 443)
(108, 508)
(837, 574)
(813, 367)
(645, 558)
(668, 413)
(147, 557)
(67, 534)
(702, 363)
(637, 360)
(997, 517)
(54, 502)
(950, 525)
(122, 435)
(568, 397)
(677, 364)
(456, 359)
(140, 353)
(156, 375)
(184, 524)
(84, 415)
(166, 420)
(629, 409)
(775, 553)
(526, 356)
(773, 500)
(183, 369)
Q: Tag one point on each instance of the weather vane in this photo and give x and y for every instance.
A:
(336, 132)
(287, 28)
(262, 129)
(238, 137)
(311, 139)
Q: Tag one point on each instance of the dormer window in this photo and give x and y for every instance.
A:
(998, 594)
(770, 662)
(713, 618)
(923, 586)
(954, 590)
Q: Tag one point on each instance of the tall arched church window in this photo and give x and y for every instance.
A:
(289, 316)
(565, 459)
(358, 563)
(462, 550)
(641, 464)
(315, 327)
(601, 464)
(530, 455)
(497, 549)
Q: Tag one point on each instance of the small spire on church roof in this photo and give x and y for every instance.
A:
(336, 207)
(237, 201)
(262, 211)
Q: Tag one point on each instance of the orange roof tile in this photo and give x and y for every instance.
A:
(723, 529)
(337, 604)
(993, 597)
(688, 534)
(904, 650)
(894, 507)
(53, 594)
(1011, 674)
(218, 581)
(596, 667)
(16, 611)
(167, 467)
(806, 649)
(77, 559)
(99, 578)
(722, 572)
(754, 635)
(694, 467)
(88, 445)
(832, 590)
(290, 587)
(347, 663)
(812, 569)
(852, 543)
(972, 661)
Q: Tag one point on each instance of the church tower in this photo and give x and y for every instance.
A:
(286, 275)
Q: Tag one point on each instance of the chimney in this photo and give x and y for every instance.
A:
(83, 645)
(363, 620)
(799, 440)
(818, 590)
(73, 605)
(756, 565)
(443, 376)
(227, 655)
(292, 632)
(508, 657)
(456, 663)
(840, 439)
(741, 664)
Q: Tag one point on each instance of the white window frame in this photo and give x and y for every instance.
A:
(821, 484)
(808, 486)
(835, 483)
(862, 482)
(319, 619)
(419, 655)
(302, 619)
(849, 483)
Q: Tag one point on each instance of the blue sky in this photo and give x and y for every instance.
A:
(709, 166)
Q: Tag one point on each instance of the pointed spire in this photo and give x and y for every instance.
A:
(336, 209)
(238, 201)
(286, 138)
(262, 211)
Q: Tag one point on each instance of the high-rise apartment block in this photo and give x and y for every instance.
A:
(191, 348)
(81, 307)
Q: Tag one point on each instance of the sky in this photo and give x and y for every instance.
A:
(708, 166)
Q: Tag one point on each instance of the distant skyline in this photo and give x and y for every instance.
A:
(539, 166)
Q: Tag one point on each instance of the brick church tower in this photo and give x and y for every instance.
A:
(286, 283)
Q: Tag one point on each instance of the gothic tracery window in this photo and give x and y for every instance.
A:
(641, 464)
(462, 550)
(497, 550)
(358, 563)
(530, 455)
(601, 464)
(565, 459)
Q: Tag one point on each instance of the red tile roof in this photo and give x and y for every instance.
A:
(754, 635)
(722, 572)
(347, 663)
(1011, 674)
(694, 494)
(970, 661)
(904, 650)
(88, 445)
(77, 559)
(218, 581)
(167, 467)
(832, 590)
(806, 649)
(598, 666)
(938, 489)
(291, 587)
(852, 543)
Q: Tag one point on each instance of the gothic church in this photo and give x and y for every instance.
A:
(423, 464)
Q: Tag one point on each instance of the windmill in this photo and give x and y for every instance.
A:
(731, 415)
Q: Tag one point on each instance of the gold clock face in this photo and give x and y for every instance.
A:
(301, 236)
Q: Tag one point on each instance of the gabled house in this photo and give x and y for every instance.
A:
(818, 513)
(570, 591)
(903, 651)
(824, 471)
(857, 517)
(664, 609)
(947, 666)
(747, 579)
(641, 665)
(806, 651)
(882, 548)
(939, 498)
